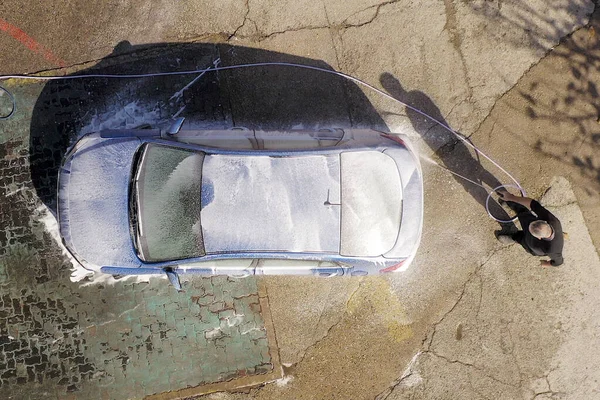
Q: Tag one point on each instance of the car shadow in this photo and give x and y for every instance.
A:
(266, 97)
(451, 152)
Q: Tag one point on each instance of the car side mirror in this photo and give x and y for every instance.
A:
(173, 278)
(175, 127)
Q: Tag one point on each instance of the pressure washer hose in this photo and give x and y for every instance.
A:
(281, 64)
(12, 100)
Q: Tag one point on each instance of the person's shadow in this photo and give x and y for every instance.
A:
(450, 151)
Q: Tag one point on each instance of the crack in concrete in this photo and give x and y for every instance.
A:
(262, 37)
(407, 373)
(243, 22)
(55, 71)
(377, 7)
(464, 289)
(158, 49)
(545, 391)
(318, 341)
(452, 27)
(427, 342)
(338, 27)
(549, 391)
(513, 354)
(386, 393)
(460, 103)
(321, 313)
(149, 12)
(332, 33)
(469, 365)
(480, 297)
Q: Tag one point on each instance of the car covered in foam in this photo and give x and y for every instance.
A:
(241, 202)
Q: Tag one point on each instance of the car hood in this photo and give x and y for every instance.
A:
(93, 201)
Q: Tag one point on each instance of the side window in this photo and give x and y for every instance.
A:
(280, 140)
(297, 267)
(242, 139)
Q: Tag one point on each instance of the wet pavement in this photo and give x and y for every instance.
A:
(119, 338)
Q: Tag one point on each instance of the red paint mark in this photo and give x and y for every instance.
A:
(30, 43)
(394, 138)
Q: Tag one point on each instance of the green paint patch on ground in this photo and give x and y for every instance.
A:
(60, 339)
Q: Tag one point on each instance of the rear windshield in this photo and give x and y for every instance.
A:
(167, 205)
(371, 203)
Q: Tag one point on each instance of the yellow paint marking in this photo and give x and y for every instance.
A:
(376, 293)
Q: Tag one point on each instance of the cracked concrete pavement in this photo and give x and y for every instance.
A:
(501, 334)
(471, 318)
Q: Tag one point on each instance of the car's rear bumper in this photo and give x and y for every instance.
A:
(409, 235)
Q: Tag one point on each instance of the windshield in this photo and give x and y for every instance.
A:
(167, 202)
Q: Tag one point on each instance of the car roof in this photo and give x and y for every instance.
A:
(263, 203)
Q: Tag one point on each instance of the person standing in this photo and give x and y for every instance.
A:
(542, 233)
